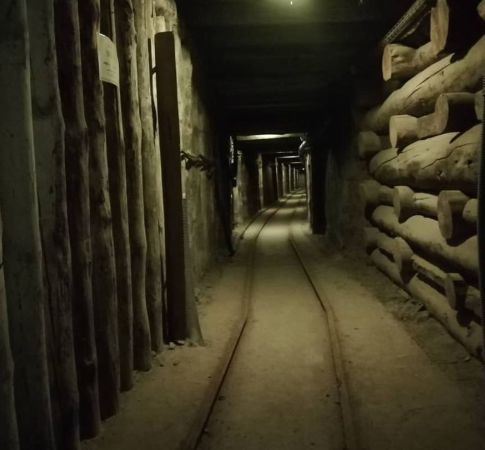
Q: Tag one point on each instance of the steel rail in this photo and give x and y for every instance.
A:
(348, 423)
(196, 432)
(348, 429)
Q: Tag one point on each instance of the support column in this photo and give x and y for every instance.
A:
(308, 182)
(284, 180)
(287, 175)
(317, 190)
(279, 178)
(268, 182)
(261, 181)
(172, 185)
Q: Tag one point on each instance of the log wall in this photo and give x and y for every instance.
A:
(82, 254)
(420, 195)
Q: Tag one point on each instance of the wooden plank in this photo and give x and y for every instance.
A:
(168, 122)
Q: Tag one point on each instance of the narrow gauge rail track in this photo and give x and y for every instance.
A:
(349, 437)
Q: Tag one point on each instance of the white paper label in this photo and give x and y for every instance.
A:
(109, 68)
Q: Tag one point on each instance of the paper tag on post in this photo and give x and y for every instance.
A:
(109, 68)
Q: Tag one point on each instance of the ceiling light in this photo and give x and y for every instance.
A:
(260, 137)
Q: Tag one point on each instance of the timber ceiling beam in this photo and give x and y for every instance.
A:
(309, 35)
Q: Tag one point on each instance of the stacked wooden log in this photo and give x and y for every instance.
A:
(422, 147)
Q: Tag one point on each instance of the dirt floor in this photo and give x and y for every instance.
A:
(280, 392)
(412, 386)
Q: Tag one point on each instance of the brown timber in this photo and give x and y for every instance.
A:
(68, 47)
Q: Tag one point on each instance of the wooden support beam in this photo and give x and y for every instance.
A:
(481, 9)
(127, 46)
(373, 194)
(469, 335)
(403, 130)
(9, 438)
(470, 301)
(318, 190)
(381, 158)
(168, 121)
(453, 112)
(105, 298)
(455, 25)
(424, 234)
(479, 105)
(115, 146)
(448, 161)
(22, 252)
(470, 212)
(451, 209)
(50, 160)
(151, 165)
(418, 96)
(400, 62)
(407, 203)
(77, 173)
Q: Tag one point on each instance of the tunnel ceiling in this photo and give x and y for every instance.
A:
(271, 64)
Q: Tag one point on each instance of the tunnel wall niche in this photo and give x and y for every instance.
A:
(420, 146)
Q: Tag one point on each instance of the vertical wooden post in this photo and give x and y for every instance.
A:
(125, 21)
(115, 146)
(152, 18)
(68, 47)
(259, 161)
(308, 184)
(287, 172)
(268, 181)
(168, 119)
(150, 186)
(9, 439)
(51, 184)
(22, 253)
(104, 268)
(317, 191)
(279, 178)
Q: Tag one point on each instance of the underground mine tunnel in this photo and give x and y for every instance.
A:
(242, 224)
